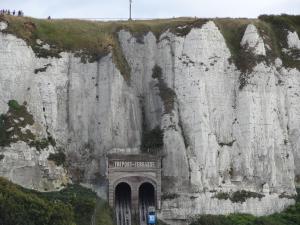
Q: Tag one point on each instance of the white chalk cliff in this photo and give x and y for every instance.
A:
(218, 137)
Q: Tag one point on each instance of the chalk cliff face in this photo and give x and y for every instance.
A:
(218, 135)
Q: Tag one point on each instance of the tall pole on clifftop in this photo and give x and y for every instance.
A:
(130, 2)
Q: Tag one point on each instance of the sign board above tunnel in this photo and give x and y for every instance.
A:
(131, 164)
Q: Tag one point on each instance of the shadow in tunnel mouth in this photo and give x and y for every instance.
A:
(123, 204)
(146, 200)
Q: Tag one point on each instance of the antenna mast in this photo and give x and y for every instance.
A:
(130, 3)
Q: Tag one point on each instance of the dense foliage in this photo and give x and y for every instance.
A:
(291, 216)
(20, 208)
(74, 205)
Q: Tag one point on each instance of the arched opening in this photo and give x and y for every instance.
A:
(123, 204)
(146, 200)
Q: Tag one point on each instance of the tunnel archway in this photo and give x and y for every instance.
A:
(142, 177)
(146, 200)
(123, 203)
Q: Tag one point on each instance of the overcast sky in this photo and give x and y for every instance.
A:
(151, 8)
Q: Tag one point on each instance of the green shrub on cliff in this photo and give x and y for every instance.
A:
(13, 104)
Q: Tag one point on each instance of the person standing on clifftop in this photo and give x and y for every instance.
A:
(20, 13)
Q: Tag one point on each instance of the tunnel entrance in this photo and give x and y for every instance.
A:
(146, 200)
(123, 204)
(134, 186)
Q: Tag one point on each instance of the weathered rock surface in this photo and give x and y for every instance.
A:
(3, 25)
(217, 137)
(176, 211)
(32, 169)
(293, 40)
(253, 40)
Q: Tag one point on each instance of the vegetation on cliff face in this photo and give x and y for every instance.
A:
(74, 205)
(152, 140)
(15, 126)
(238, 196)
(280, 25)
(291, 216)
(273, 30)
(59, 158)
(166, 94)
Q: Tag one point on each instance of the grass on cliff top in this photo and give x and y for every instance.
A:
(279, 26)
(234, 29)
(290, 216)
(91, 39)
(74, 205)
(72, 34)
(291, 22)
(273, 30)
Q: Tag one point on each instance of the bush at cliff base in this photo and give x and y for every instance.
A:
(74, 205)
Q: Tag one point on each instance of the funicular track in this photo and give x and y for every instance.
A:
(146, 200)
(123, 204)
